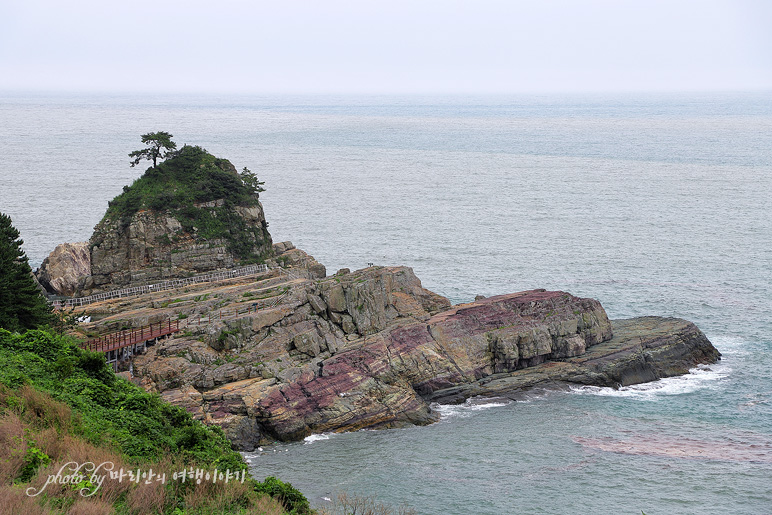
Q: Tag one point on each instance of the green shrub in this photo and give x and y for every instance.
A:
(290, 497)
(34, 458)
(90, 388)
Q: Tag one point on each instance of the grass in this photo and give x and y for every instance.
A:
(60, 403)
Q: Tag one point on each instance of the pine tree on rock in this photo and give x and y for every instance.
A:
(22, 305)
(159, 146)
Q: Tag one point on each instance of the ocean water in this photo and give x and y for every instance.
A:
(653, 204)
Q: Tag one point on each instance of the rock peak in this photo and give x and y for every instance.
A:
(191, 214)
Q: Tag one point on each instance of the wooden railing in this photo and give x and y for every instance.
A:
(129, 337)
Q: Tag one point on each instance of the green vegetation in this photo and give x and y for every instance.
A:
(159, 145)
(60, 403)
(189, 177)
(22, 306)
(290, 496)
(113, 412)
(250, 179)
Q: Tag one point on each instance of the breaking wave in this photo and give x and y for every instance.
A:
(468, 408)
(701, 377)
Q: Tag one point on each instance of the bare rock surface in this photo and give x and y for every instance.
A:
(155, 246)
(374, 349)
(642, 350)
(64, 268)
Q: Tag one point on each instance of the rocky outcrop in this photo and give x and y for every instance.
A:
(642, 350)
(64, 268)
(374, 349)
(287, 256)
(384, 380)
(190, 214)
(155, 246)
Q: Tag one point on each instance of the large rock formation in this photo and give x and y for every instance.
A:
(192, 214)
(64, 268)
(292, 352)
(373, 349)
(154, 246)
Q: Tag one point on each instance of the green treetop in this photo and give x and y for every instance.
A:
(159, 145)
(22, 305)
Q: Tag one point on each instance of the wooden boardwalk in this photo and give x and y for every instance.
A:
(129, 337)
(123, 345)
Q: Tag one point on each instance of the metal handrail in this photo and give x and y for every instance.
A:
(164, 285)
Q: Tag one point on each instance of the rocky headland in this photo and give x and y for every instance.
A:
(290, 351)
(374, 349)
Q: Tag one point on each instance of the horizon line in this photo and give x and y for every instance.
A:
(364, 93)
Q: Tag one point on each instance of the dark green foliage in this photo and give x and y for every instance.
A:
(250, 179)
(64, 366)
(93, 364)
(292, 499)
(112, 411)
(22, 305)
(193, 176)
(43, 343)
(159, 145)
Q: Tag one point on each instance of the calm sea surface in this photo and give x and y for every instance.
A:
(651, 204)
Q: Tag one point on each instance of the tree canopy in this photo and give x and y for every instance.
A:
(250, 180)
(159, 145)
(22, 305)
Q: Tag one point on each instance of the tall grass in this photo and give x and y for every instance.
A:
(48, 420)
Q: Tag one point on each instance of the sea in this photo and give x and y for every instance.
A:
(654, 204)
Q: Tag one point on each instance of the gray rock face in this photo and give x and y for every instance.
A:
(365, 302)
(64, 268)
(642, 349)
(287, 256)
(155, 246)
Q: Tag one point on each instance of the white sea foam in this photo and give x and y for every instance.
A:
(468, 408)
(315, 438)
(730, 346)
(698, 378)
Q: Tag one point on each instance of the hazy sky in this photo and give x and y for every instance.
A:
(394, 46)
